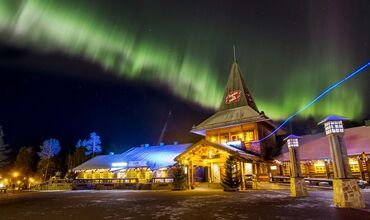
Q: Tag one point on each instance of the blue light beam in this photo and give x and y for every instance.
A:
(325, 92)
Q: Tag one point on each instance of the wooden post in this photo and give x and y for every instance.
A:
(255, 184)
(327, 170)
(241, 175)
(361, 165)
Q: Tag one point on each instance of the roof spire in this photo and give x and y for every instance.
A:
(234, 54)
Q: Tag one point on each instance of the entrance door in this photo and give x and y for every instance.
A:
(200, 174)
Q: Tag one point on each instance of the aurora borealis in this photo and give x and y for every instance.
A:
(192, 55)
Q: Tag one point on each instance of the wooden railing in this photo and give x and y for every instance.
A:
(105, 181)
(162, 180)
(322, 182)
(57, 184)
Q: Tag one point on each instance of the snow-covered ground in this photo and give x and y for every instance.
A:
(175, 205)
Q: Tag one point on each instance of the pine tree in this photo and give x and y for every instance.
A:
(4, 150)
(93, 144)
(231, 178)
(49, 149)
(26, 161)
(179, 177)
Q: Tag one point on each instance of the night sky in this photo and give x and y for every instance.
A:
(118, 67)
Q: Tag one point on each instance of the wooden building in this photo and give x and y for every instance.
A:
(316, 159)
(232, 130)
(138, 164)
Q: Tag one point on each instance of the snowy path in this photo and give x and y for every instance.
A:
(174, 205)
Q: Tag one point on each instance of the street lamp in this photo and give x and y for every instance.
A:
(333, 125)
(297, 184)
(292, 141)
(346, 193)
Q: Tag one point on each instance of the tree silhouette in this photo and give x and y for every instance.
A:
(49, 149)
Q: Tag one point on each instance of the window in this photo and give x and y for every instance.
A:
(303, 169)
(320, 167)
(248, 168)
(234, 136)
(131, 173)
(249, 135)
(214, 139)
(353, 163)
(224, 137)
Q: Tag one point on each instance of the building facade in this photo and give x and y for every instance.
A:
(234, 130)
(316, 159)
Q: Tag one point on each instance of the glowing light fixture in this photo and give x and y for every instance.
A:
(292, 141)
(119, 164)
(15, 174)
(333, 124)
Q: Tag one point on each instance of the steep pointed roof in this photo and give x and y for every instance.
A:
(236, 92)
(237, 105)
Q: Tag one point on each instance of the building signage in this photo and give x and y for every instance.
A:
(139, 163)
(119, 164)
(233, 97)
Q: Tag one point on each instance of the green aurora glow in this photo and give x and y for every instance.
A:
(189, 64)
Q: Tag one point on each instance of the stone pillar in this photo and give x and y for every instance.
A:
(297, 184)
(346, 193)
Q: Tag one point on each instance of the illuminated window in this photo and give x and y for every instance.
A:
(131, 173)
(224, 137)
(104, 175)
(273, 167)
(234, 136)
(248, 168)
(320, 167)
(96, 175)
(241, 136)
(249, 135)
(303, 168)
(214, 138)
(353, 163)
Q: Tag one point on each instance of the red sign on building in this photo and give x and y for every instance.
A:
(233, 97)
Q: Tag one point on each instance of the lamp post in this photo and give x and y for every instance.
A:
(297, 184)
(346, 192)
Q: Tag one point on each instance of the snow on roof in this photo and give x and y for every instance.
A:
(224, 147)
(154, 157)
(228, 117)
(316, 146)
(99, 162)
